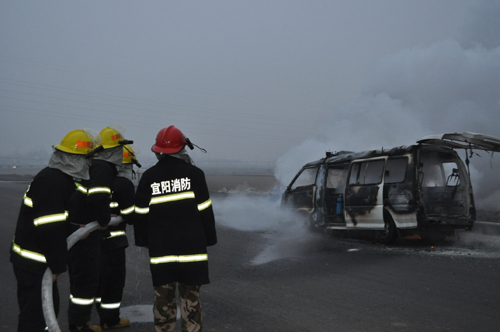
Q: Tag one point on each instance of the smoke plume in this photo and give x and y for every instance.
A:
(449, 86)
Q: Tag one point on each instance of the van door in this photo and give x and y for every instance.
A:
(336, 179)
(301, 191)
(445, 186)
(464, 140)
(364, 194)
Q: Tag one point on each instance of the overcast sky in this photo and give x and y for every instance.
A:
(258, 81)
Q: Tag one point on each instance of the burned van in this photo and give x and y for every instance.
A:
(420, 189)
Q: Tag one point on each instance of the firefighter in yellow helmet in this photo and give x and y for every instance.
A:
(109, 296)
(92, 203)
(40, 237)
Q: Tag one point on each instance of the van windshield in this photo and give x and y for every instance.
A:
(306, 178)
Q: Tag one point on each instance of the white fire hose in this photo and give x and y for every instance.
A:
(47, 300)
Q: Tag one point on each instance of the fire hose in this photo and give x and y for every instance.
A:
(47, 300)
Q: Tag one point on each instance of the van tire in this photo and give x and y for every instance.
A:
(390, 233)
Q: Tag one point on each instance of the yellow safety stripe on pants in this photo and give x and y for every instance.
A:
(81, 301)
(128, 210)
(115, 234)
(99, 190)
(204, 205)
(50, 218)
(81, 188)
(172, 197)
(107, 305)
(140, 210)
(179, 259)
(28, 254)
(110, 305)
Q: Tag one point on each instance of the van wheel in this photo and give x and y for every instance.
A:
(390, 233)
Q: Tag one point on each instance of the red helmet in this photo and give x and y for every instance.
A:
(169, 140)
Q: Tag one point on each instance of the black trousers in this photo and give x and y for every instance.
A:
(29, 297)
(84, 264)
(111, 286)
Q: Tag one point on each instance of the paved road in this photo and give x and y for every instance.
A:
(269, 274)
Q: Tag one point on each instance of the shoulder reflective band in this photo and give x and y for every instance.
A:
(139, 210)
(115, 234)
(204, 205)
(113, 205)
(99, 190)
(179, 259)
(81, 301)
(27, 201)
(50, 218)
(28, 254)
(128, 210)
(81, 188)
(172, 197)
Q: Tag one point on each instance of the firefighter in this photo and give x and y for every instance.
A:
(92, 203)
(175, 220)
(40, 237)
(114, 244)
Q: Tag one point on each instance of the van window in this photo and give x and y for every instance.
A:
(367, 172)
(438, 172)
(395, 170)
(306, 178)
(336, 177)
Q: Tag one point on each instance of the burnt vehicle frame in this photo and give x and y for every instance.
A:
(422, 189)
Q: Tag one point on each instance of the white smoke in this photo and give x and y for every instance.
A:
(450, 86)
(285, 233)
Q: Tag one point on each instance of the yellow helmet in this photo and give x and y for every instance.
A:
(77, 141)
(110, 137)
(129, 155)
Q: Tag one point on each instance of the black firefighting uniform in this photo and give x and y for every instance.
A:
(40, 242)
(113, 247)
(91, 203)
(175, 220)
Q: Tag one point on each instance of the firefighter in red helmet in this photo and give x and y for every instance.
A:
(175, 220)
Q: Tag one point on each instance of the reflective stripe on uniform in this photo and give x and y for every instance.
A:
(99, 190)
(179, 259)
(50, 218)
(115, 234)
(204, 205)
(81, 301)
(110, 305)
(27, 201)
(28, 254)
(113, 205)
(139, 210)
(172, 197)
(128, 210)
(81, 188)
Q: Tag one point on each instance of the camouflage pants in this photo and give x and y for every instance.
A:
(165, 307)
